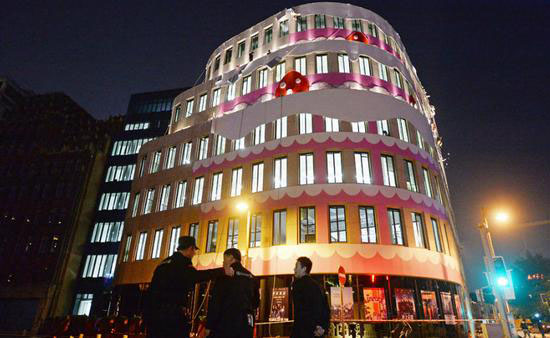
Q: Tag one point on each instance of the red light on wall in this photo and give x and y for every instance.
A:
(358, 36)
(293, 81)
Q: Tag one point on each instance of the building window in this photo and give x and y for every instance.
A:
(338, 22)
(174, 239)
(337, 220)
(126, 256)
(140, 251)
(164, 197)
(306, 124)
(256, 231)
(372, 30)
(155, 164)
(83, 304)
(194, 230)
(359, 127)
(203, 148)
(383, 127)
(388, 172)
(247, 82)
(307, 225)
(262, 78)
(216, 186)
(331, 125)
(403, 130)
(148, 207)
(202, 102)
(142, 166)
(280, 71)
(145, 125)
(157, 243)
(368, 224)
(301, 24)
(280, 127)
(216, 96)
(437, 236)
(258, 177)
(418, 228)
(212, 236)
(356, 25)
(268, 35)
(233, 233)
(383, 70)
(306, 169)
(279, 173)
(300, 65)
(241, 48)
(279, 227)
(136, 205)
(231, 91)
(228, 54)
(220, 145)
(283, 28)
(104, 232)
(128, 147)
(362, 168)
(197, 193)
(334, 166)
(217, 63)
(396, 228)
(254, 43)
(180, 194)
(170, 158)
(259, 134)
(186, 153)
(410, 176)
(364, 66)
(238, 144)
(398, 81)
(343, 63)
(437, 190)
(320, 21)
(321, 64)
(112, 201)
(236, 182)
(189, 108)
(420, 140)
(427, 183)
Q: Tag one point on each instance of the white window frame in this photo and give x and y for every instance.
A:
(203, 148)
(202, 102)
(140, 250)
(181, 189)
(220, 145)
(157, 243)
(427, 182)
(300, 65)
(363, 173)
(410, 176)
(383, 127)
(216, 97)
(258, 177)
(388, 171)
(186, 153)
(365, 67)
(359, 127)
(321, 64)
(189, 107)
(280, 71)
(246, 85)
(307, 175)
(197, 191)
(170, 158)
(306, 123)
(262, 78)
(216, 192)
(238, 144)
(332, 125)
(236, 182)
(164, 197)
(343, 63)
(403, 130)
(231, 91)
(383, 71)
(334, 167)
(280, 173)
(281, 127)
(174, 239)
(259, 134)
(418, 229)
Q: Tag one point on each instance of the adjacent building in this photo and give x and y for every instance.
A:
(147, 118)
(311, 135)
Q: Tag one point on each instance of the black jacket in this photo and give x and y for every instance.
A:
(233, 298)
(310, 307)
(173, 280)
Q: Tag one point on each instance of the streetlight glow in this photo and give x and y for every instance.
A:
(502, 217)
(242, 206)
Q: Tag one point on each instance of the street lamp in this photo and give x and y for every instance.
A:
(243, 206)
(489, 251)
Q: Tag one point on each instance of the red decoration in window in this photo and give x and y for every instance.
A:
(412, 100)
(357, 36)
(293, 81)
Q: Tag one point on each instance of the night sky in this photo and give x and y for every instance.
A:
(484, 64)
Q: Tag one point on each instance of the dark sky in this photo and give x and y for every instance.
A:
(484, 64)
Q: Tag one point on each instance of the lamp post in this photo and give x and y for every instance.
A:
(489, 264)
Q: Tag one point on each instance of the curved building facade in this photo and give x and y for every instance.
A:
(311, 135)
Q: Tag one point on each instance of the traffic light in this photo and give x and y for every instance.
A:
(488, 296)
(501, 275)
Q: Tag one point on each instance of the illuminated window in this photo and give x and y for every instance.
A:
(300, 65)
(231, 91)
(403, 130)
(383, 127)
(321, 64)
(186, 153)
(220, 145)
(126, 256)
(279, 227)
(418, 228)
(170, 158)
(164, 197)
(194, 230)
(359, 127)
(337, 220)
(189, 108)
(280, 127)
(334, 165)
(216, 96)
(410, 176)
(396, 227)
(259, 134)
(197, 193)
(212, 236)
(140, 251)
(306, 124)
(202, 102)
(367, 222)
(233, 233)
(136, 205)
(343, 63)
(398, 80)
(255, 231)
(320, 21)
(157, 243)
(383, 70)
(427, 183)
(148, 207)
(364, 66)
(114, 201)
(306, 169)
(388, 172)
(301, 24)
(331, 125)
(258, 177)
(283, 28)
(420, 140)
(180, 194)
(437, 236)
(104, 232)
(247, 83)
(262, 78)
(174, 240)
(362, 168)
(236, 182)
(155, 164)
(119, 173)
(280, 71)
(203, 148)
(279, 173)
(307, 225)
(238, 144)
(83, 304)
(216, 193)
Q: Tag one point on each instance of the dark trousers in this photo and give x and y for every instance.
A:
(169, 328)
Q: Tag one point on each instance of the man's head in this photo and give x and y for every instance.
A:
(302, 267)
(230, 256)
(187, 246)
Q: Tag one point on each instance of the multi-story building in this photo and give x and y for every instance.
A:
(147, 118)
(310, 136)
(53, 154)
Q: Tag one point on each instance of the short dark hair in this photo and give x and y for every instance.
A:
(305, 263)
(233, 252)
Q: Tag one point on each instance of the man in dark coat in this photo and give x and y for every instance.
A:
(168, 313)
(234, 301)
(311, 311)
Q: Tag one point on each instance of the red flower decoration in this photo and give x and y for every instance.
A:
(294, 81)
(358, 37)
